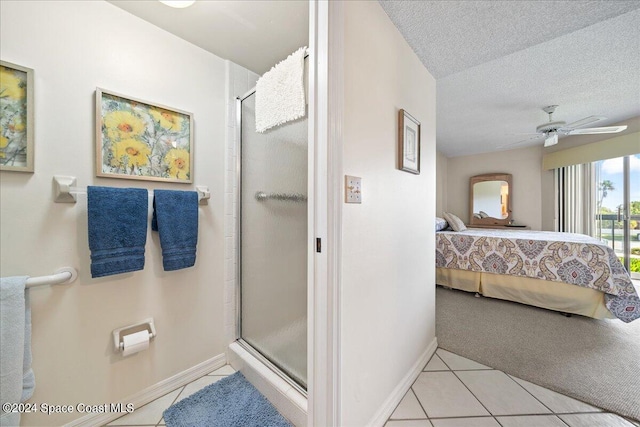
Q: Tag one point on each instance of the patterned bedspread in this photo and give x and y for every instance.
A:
(558, 257)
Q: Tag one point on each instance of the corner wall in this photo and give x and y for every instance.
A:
(388, 243)
(442, 163)
(75, 47)
(239, 81)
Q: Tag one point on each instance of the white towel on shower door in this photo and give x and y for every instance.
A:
(280, 93)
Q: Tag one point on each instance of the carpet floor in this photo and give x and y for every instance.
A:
(595, 361)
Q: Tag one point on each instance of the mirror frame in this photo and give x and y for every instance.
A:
(490, 177)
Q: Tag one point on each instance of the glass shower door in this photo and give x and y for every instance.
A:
(273, 242)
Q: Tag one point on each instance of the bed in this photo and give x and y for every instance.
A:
(566, 272)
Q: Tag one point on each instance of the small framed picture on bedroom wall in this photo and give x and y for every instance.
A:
(136, 139)
(408, 143)
(16, 117)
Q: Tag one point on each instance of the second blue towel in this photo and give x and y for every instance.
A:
(175, 218)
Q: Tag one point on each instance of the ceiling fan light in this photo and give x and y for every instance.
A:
(179, 4)
(551, 140)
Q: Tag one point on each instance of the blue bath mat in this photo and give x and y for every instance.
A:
(230, 402)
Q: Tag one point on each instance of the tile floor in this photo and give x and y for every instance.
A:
(456, 392)
(450, 392)
(151, 413)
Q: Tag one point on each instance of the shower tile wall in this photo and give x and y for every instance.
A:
(239, 81)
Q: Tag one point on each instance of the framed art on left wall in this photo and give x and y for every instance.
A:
(16, 117)
(136, 139)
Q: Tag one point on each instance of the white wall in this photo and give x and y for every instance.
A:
(73, 48)
(441, 183)
(532, 193)
(388, 277)
(547, 201)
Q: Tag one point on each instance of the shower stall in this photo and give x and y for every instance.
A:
(272, 243)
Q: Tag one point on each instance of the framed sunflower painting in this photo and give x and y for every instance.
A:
(139, 140)
(16, 117)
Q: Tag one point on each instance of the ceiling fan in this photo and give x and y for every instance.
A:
(550, 130)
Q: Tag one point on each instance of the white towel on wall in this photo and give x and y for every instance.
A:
(280, 93)
(18, 381)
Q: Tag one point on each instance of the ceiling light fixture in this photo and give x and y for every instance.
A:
(180, 4)
(552, 139)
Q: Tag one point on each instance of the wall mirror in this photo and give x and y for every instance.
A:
(490, 199)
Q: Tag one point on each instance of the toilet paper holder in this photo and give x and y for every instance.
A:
(119, 333)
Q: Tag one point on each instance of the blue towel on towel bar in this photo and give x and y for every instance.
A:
(175, 218)
(117, 229)
(18, 380)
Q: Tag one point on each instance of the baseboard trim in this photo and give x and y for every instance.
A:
(153, 392)
(387, 408)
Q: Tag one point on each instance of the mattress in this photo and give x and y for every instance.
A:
(554, 263)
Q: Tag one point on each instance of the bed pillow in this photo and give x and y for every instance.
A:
(441, 224)
(455, 222)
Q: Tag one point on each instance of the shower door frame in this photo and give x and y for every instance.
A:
(324, 209)
(326, 110)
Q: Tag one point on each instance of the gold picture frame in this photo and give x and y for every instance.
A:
(16, 118)
(137, 139)
(408, 143)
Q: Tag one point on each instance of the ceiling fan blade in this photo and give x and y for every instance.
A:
(593, 131)
(551, 140)
(511, 144)
(583, 122)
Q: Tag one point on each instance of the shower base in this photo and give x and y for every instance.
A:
(288, 400)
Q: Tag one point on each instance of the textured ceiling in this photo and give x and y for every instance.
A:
(255, 34)
(451, 36)
(498, 63)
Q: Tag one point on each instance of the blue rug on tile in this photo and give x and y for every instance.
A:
(230, 402)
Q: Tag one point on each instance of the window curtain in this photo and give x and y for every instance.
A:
(576, 198)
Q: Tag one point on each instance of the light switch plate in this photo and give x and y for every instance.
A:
(352, 189)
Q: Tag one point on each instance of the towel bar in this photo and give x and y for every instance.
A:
(65, 190)
(63, 275)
